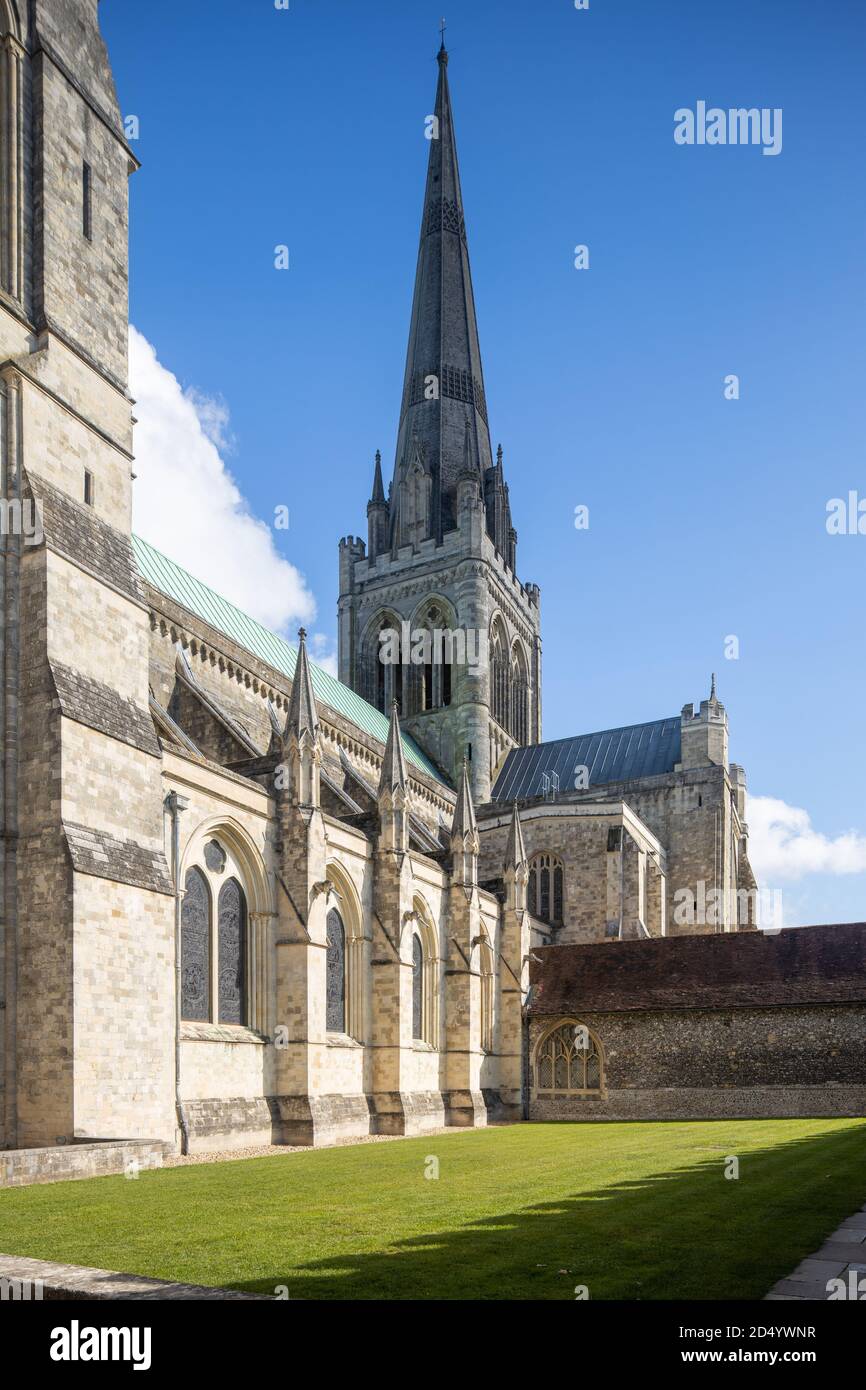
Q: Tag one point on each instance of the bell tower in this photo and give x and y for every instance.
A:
(85, 892)
(440, 565)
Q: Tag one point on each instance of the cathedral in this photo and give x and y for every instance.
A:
(244, 902)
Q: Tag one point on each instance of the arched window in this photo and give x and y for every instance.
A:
(519, 725)
(545, 889)
(500, 677)
(417, 989)
(383, 663)
(433, 674)
(232, 950)
(487, 991)
(11, 154)
(336, 974)
(569, 1061)
(195, 949)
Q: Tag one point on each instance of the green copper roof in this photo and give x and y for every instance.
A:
(190, 593)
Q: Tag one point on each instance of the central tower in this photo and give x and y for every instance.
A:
(438, 570)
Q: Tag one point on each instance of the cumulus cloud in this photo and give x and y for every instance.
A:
(323, 653)
(188, 505)
(783, 844)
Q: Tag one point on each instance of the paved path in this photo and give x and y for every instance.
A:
(842, 1252)
(77, 1282)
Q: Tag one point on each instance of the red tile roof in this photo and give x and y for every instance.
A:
(803, 965)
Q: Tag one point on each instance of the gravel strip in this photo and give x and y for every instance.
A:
(278, 1150)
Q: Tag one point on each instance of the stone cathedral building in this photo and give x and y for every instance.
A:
(245, 902)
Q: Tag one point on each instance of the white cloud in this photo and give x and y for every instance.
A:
(187, 503)
(323, 654)
(783, 844)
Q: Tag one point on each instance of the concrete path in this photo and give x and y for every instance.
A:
(842, 1256)
(25, 1279)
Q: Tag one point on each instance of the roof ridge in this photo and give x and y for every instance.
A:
(274, 650)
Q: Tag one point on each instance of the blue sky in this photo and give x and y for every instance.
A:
(606, 386)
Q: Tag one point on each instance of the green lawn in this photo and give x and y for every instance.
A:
(633, 1211)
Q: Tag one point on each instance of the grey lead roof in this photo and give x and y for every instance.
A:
(613, 755)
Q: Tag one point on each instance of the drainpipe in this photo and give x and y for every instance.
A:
(524, 1048)
(175, 804)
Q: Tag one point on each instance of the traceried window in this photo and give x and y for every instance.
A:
(232, 939)
(336, 974)
(433, 681)
(195, 949)
(384, 677)
(569, 1061)
(213, 947)
(545, 889)
(417, 989)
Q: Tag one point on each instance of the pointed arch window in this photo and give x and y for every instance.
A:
(487, 996)
(195, 948)
(231, 943)
(545, 889)
(11, 155)
(569, 1061)
(434, 680)
(384, 673)
(336, 974)
(417, 989)
(519, 712)
(500, 678)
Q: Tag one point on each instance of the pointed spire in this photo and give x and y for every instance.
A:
(393, 774)
(302, 717)
(444, 381)
(464, 811)
(713, 695)
(515, 849)
(378, 486)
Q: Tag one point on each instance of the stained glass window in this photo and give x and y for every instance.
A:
(195, 949)
(231, 938)
(336, 974)
(417, 988)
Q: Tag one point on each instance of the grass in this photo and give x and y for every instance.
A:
(633, 1211)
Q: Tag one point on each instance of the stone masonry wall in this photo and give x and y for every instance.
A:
(715, 1063)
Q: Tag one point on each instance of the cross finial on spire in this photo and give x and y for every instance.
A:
(442, 27)
(443, 52)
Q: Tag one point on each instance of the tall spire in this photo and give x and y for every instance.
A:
(444, 383)
(302, 717)
(378, 487)
(515, 849)
(393, 775)
(464, 812)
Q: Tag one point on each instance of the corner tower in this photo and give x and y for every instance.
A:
(87, 902)
(461, 650)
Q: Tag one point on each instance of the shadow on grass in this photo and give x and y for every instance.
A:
(688, 1233)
